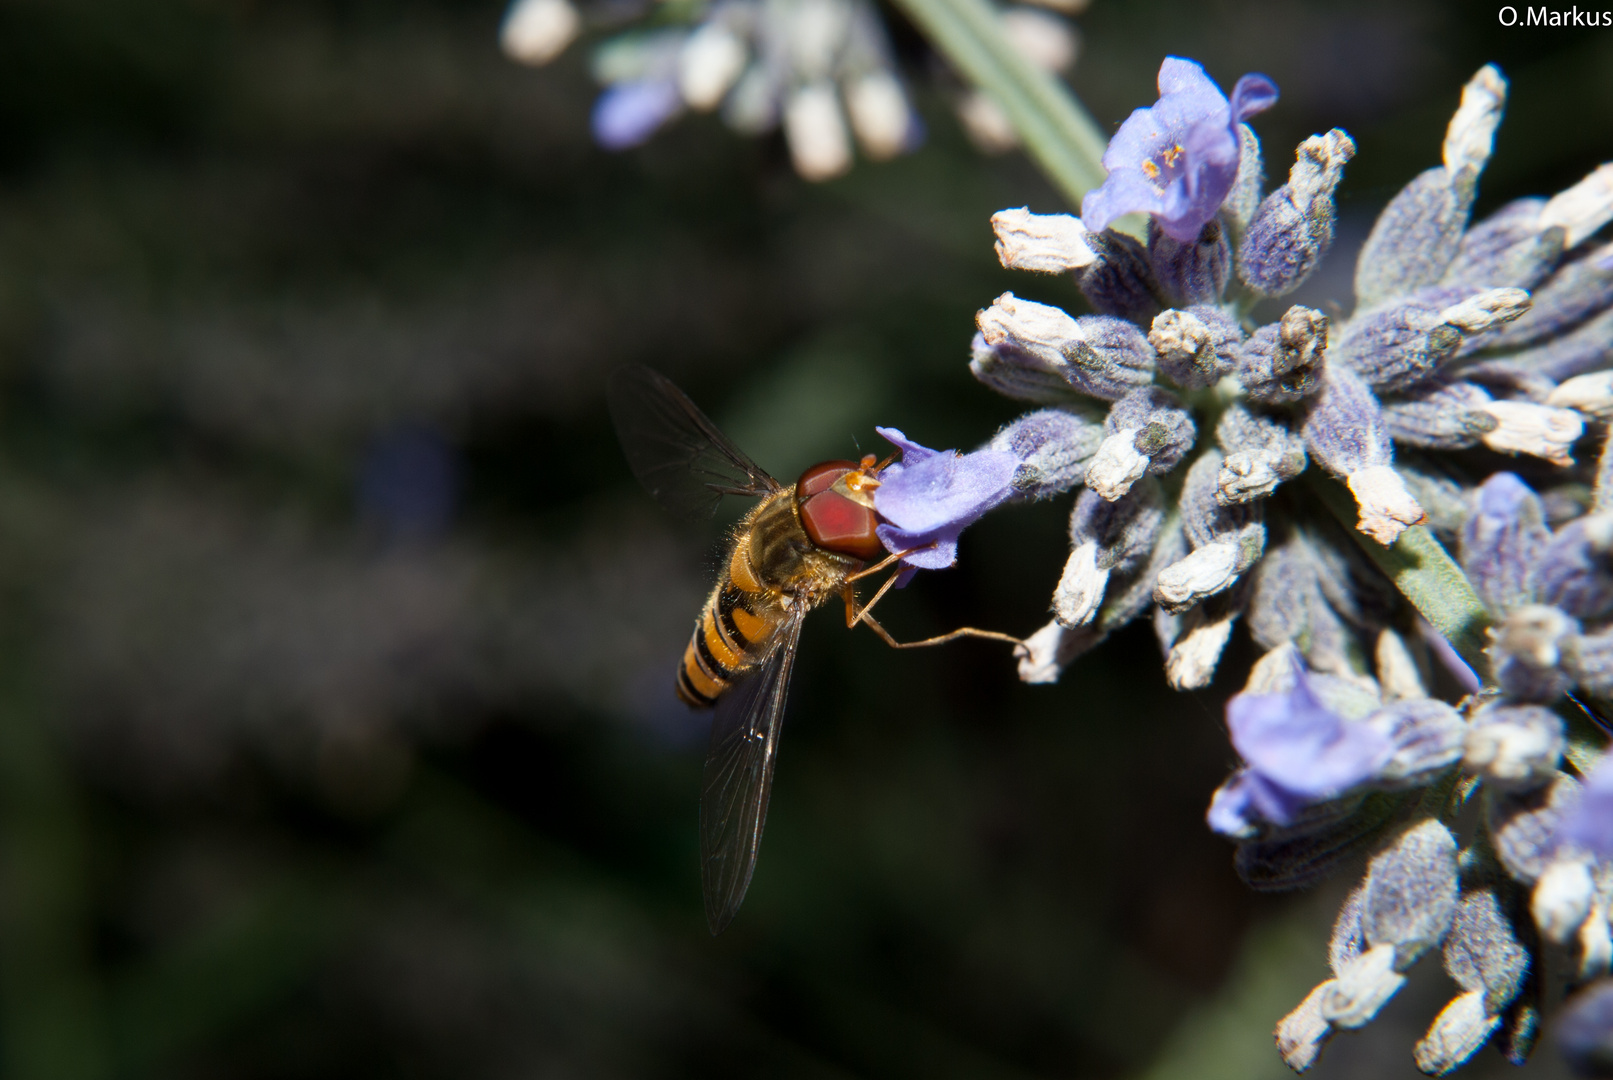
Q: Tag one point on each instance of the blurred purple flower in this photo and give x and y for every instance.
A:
(1589, 824)
(1178, 159)
(1297, 752)
(931, 496)
(628, 113)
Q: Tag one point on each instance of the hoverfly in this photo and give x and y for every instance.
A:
(797, 548)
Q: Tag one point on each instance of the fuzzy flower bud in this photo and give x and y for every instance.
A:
(1261, 453)
(1282, 362)
(1098, 355)
(1543, 431)
(1514, 747)
(1441, 416)
(1046, 243)
(1582, 209)
(1525, 649)
(1226, 540)
(1147, 431)
(1585, 1030)
(1503, 542)
(1294, 225)
(1196, 347)
(1562, 898)
(1120, 282)
(1574, 574)
(1471, 132)
(1106, 537)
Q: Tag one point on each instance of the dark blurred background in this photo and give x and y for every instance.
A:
(336, 726)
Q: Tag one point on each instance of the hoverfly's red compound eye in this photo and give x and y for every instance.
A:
(833, 518)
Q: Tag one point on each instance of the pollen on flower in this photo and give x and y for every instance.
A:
(1150, 170)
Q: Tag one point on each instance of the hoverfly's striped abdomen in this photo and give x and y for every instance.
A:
(730, 638)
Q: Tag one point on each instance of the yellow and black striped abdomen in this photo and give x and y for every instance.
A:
(730, 638)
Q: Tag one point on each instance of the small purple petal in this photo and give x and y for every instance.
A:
(627, 114)
(1465, 676)
(1254, 94)
(931, 496)
(1177, 159)
(1299, 751)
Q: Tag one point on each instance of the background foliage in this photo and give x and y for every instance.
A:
(336, 733)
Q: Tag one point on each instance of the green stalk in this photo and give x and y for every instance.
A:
(1424, 573)
(1057, 132)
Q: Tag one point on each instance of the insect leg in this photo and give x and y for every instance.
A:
(873, 624)
(886, 561)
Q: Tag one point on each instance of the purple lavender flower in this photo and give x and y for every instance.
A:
(628, 113)
(1585, 1030)
(1590, 823)
(931, 496)
(1297, 752)
(1178, 159)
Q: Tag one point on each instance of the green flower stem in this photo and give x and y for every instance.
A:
(1423, 572)
(1058, 133)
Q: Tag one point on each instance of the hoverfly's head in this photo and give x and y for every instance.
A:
(836, 502)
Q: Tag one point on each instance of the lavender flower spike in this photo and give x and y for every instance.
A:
(1297, 752)
(931, 496)
(1178, 159)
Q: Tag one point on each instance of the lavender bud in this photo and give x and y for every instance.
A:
(1524, 652)
(1282, 362)
(1226, 541)
(1106, 537)
(1120, 282)
(1588, 659)
(1523, 826)
(1361, 988)
(1523, 427)
(1440, 415)
(1346, 433)
(1416, 236)
(1054, 447)
(1287, 607)
(1294, 225)
(1582, 209)
(1585, 1030)
(1190, 273)
(1262, 452)
(1470, 136)
(1482, 952)
(1503, 542)
(1573, 571)
(1410, 894)
(1192, 658)
(1021, 375)
(1100, 356)
(1428, 736)
(1563, 898)
(1579, 289)
(1045, 654)
(1402, 344)
(1589, 395)
(1514, 747)
(1147, 431)
(1197, 347)
(1302, 1033)
(1414, 239)
(1507, 248)
(1046, 243)
(1461, 1027)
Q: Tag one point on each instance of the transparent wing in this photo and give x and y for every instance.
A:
(675, 451)
(738, 778)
